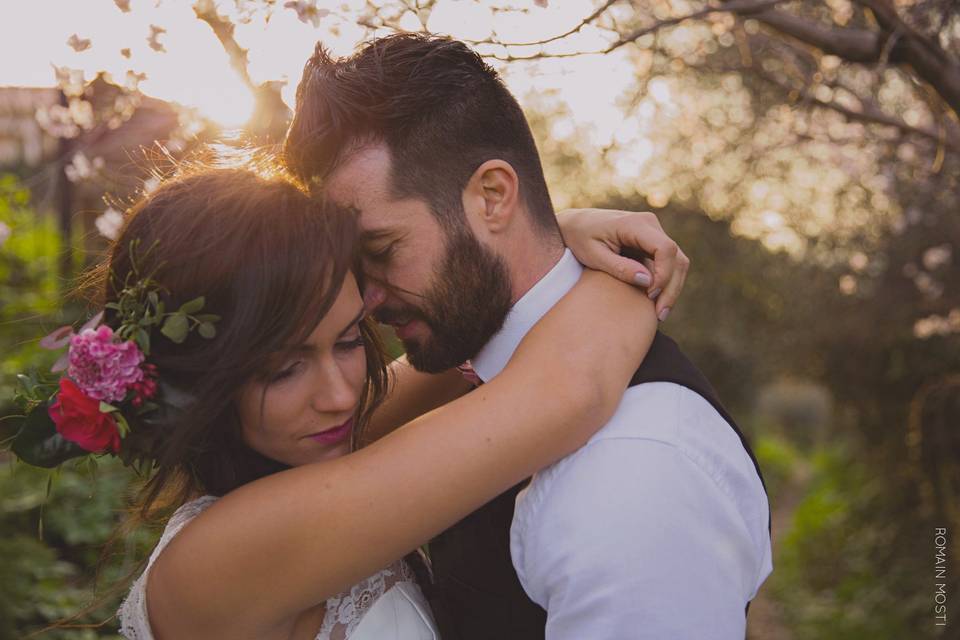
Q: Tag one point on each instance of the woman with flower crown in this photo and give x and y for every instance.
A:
(234, 362)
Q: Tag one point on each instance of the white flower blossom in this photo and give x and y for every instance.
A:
(78, 44)
(154, 39)
(70, 81)
(307, 11)
(150, 184)
(109, 222)
(81, 167)
(936, 257)
(4, 233)
(936, 325)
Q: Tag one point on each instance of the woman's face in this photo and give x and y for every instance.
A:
(304, 410)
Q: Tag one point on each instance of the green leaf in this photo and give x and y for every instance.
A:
(39, 444)
(154, 299)
(106, 407)
(176, 327)
(147, 407)
(208, 317)
(30, 387)
(207, 330)
(193, 306)
(122, 425)
(143, 341)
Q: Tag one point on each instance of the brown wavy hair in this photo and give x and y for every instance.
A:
(439, 108)
(270, 261)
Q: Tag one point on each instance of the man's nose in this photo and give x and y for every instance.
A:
(373, 296)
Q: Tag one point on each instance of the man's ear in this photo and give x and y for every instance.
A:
(491, 197)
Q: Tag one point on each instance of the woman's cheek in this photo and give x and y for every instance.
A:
(358, 370)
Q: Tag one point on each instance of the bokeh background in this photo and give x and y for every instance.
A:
(806, 156)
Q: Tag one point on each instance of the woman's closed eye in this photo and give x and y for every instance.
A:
(350, 344)
(287, 372)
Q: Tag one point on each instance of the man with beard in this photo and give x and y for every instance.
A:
(659, 527)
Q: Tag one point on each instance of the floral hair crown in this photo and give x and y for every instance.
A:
(109, 379)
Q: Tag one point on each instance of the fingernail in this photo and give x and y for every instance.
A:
(642, 279)
(663, 314)
(653, 294)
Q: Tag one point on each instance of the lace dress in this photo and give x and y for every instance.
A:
(385, 606)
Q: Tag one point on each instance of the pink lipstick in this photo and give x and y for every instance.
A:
(334, 435)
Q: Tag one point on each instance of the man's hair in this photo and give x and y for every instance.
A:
(437, 106)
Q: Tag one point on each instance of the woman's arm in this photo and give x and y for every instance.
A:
(276, 547)
(596, 237)
(412, 394)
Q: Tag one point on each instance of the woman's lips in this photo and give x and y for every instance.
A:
(334, 435)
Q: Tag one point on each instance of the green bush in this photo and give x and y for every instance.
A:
(828, 577)
(51, 552)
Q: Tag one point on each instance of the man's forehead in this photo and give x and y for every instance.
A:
(362, 176)
(362, 182)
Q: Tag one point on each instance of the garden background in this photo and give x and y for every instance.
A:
(805, 155)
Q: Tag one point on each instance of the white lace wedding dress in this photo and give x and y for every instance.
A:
(385, 606)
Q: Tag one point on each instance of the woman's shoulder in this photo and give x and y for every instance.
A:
(187, 512)
(134, 622)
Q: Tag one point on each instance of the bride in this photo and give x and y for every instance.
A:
(290, 523)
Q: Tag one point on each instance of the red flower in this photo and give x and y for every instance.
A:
(78, 419)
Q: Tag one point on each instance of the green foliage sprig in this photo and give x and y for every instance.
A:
(139, 309)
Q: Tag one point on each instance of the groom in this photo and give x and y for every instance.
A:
(657, 528)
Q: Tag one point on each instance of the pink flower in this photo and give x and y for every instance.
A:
(102, 368)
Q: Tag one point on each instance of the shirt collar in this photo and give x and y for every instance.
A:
(524, 314)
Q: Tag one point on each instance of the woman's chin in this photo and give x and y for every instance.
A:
(324, 453)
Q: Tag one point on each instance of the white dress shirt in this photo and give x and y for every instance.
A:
(656, 528)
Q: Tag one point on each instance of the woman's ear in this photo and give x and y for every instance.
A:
(491, 197)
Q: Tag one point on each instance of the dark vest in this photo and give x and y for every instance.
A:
(476, 594)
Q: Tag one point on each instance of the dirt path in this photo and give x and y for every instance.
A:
(765, 621)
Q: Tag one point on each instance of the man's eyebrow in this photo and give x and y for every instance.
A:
(355, 320)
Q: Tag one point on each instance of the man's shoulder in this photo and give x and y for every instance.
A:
(665, 412)
(662, 433)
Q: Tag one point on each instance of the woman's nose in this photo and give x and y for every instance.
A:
(336, 393)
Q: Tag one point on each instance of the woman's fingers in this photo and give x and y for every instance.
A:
(668, 297)
(621, 267)
(667, 263)
(599, 238)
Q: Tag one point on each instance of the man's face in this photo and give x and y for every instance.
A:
(445, 294)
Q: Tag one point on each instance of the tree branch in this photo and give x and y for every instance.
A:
(731, 7)
(870, 113)
(223, 29)
(583, 23)
(864, 46)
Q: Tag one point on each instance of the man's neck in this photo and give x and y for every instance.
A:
(530, 264)
(536, 300)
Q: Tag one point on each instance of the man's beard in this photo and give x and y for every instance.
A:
(464, 307)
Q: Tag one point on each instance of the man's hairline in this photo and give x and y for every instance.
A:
(363, 144)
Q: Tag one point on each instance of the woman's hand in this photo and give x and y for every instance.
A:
(597, 236)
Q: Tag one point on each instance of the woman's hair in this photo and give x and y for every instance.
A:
(270, 261)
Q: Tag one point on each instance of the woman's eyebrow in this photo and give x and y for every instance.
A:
(353, 322)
